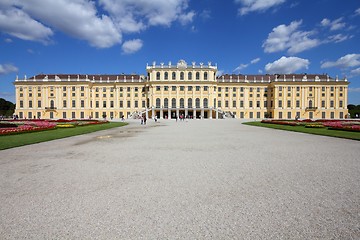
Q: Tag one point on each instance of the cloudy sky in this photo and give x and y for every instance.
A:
(122, 36)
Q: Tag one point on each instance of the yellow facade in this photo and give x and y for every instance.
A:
(181, 90)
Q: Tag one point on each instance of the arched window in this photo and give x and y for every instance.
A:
(158, 103)
(205, 76)
(158, 76)
(205, 102)
(182, 76)
(310, 103)
(173, 75)
(173, 103)
(166, 103)
(197, 103)
(189, 76)
(190, 105)
(166, 76)
(52, 104)
(197, 75)
(182, 103)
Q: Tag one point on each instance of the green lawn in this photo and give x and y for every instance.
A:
(317, 131)
(10, 141)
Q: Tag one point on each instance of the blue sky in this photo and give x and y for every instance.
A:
(122, 36)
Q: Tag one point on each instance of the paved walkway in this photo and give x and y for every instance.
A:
(200, 179)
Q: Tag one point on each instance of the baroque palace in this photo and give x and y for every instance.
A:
(169, 91)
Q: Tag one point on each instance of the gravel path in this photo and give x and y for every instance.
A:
(200, 179)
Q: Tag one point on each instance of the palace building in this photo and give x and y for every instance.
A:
(169, 91)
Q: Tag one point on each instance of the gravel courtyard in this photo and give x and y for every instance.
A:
(202, 179)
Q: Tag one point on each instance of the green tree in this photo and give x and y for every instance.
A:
(6, 108)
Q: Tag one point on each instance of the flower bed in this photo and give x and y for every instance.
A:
(23, 126)
(346, 125)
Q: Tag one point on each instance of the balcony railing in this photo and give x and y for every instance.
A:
(310, 108)
(50, 108)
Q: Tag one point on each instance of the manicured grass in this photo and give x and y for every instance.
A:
(317, 131)
(10, 141)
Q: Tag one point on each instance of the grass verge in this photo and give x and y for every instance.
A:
(317, 131)
(10, 141)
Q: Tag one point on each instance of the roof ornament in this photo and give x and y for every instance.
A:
(182, 64)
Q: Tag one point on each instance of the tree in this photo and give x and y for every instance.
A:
(6, 108)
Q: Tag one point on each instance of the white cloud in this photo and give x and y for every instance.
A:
(355, 72)
(243, 66)
(7, 68)
(338, 38)
(206, 14)
(17, 23)
(357, 90)
(8, 40)
(134, 16)
(257, 5)
(132, 46)
(287, 65)
(333, 25)
(100, 23)
(288, 38)
(77, 18)
(255, 60)
(357, 11)
(347, 61)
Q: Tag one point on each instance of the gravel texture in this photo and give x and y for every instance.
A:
(201, 179)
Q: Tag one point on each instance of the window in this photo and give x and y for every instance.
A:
(251, 115)
(280, 103)
(166, 103)
(64, 104)
(128, 89)
(82, 88)
(97, 104)
(197, 88)
(181, 75)
(143, 104)
(251, 89)
(219, 104)
(341, 88)
(197, 75)
(189, 76)
(173, 103)
(257, 104)
(104, 104)
(197, 103)
(157, 88)
(39, 104)
(190, 105)
(128, 104)
(341, 115)
(323, 104)
(205, 102)
(289, 103)
(73, 115)
(121, 104)
(72, 88)
(241, 89)
(258, 115)
(30, 104)
(166, 75)
(136, 104)
(310, 103)
(111, 104)
(190, 88)
(241, 103)
(332, 115)
(81, 114)
(173, 75)
(265, 104)
(251, 104)
(158, 103)
(182, 88)
(173, 88)
(157, 75)
(64, 115)
(280, 115)
(297, 103)
(182, 105)
(82, 103)
(297, 89)
(323, 89)
(234, 104)
(289, 115)
(331, 103)
(205, 76)
(340, 103)
(323, 115)
(332, 89)
(166, 88)
(280, 88)
(205, 88)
